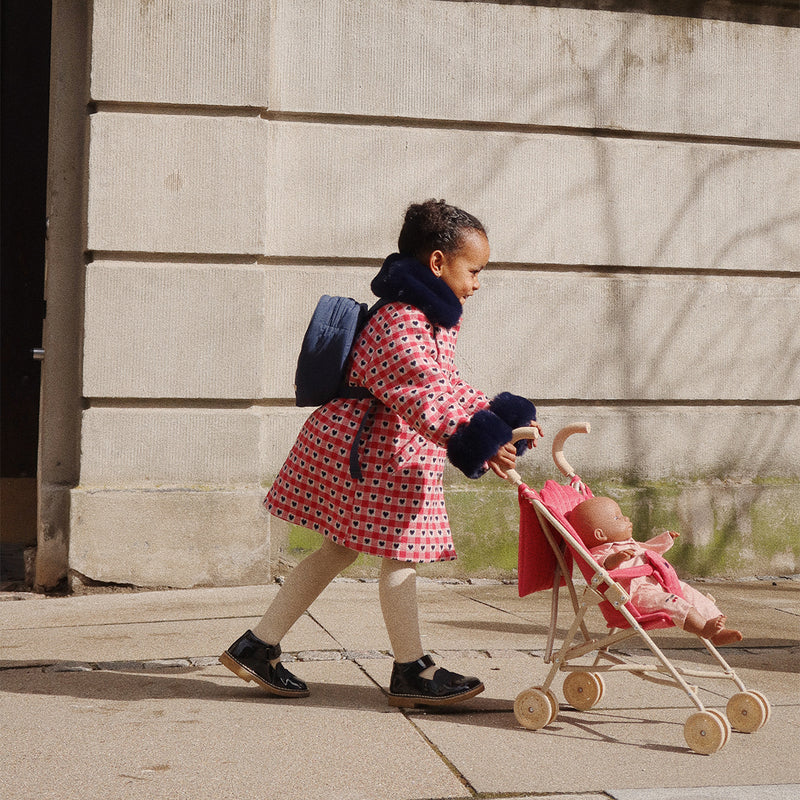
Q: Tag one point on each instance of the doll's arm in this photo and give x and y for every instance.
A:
(613, 561)
(661, 543)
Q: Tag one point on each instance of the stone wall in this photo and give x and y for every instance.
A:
(638, 175)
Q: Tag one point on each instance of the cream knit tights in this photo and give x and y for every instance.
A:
(398, 592)
(397, 588)
(304, 584)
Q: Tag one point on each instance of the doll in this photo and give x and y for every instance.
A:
(607, 533)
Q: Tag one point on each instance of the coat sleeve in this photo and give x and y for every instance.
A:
(397, 359)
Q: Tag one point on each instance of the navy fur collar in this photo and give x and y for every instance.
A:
(408, 280)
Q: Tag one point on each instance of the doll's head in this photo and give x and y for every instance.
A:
(450, 241)
(599, 520)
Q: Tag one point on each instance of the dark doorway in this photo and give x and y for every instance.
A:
(25, 58)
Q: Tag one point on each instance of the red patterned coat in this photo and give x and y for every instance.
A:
(424, 412)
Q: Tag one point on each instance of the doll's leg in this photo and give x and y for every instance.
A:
(694, 612)
(704, 605)
(650, 597)
(303, 585)
(706, 620)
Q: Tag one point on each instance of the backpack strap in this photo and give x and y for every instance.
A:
(355, 466)
(360, 393)
(348, 391)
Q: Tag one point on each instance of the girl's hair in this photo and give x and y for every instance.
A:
(435, 225)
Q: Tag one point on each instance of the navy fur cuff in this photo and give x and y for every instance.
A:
(474, 443)
(515, 411)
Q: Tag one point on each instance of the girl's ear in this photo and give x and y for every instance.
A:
(435, 262)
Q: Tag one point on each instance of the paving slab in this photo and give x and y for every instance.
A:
(448, 618)
(143, 641)
(30, 610)
(633, 739)
(203, 733)
(114, 643)
(117, 695)
(763, 792)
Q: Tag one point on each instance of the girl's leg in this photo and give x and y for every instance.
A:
(256, 656)
(398, 593)
(303, 585)
(416, 680)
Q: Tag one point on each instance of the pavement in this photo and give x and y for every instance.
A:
(119, 695)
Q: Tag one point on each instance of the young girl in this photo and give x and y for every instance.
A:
(390, 504)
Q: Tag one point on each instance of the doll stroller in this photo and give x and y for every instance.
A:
(548, 550)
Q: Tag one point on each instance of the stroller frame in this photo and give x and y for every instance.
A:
(706, 730)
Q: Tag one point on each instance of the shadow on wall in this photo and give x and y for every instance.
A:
(707, 349)
(765, 12)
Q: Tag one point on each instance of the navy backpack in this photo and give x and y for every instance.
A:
(329, 338)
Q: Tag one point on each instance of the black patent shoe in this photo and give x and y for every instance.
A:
(408, 689)
(249, 658)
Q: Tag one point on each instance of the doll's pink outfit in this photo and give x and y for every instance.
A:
(661, 591)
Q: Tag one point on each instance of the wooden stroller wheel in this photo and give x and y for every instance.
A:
(725, 724)
(766, 703)
(747, 712)
(706, 732)
(553, 702)
(535, 708)
(583, 690)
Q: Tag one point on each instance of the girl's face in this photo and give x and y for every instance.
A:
(460, 269)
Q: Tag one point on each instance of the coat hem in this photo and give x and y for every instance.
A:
(357, 546)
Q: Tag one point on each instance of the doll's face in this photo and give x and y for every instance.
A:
(599, 520)
(460, 269)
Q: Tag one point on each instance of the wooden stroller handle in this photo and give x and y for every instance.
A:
(524, 433)
(516, 435)
(558, 446)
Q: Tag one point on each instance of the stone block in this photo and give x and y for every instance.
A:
(206, 52)
(545, 199)
(522, 64)
(279, 429)
(589, 336)
(169, 330)
(626, 337)
(176, 538)
(633, 444)
(176, 184)
(728, 529)
(162, 447)
(53, 536)
(629, 442)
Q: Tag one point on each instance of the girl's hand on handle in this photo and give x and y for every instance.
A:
(503, 460)
(538, 427)
(532, 433)
(506, 457)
